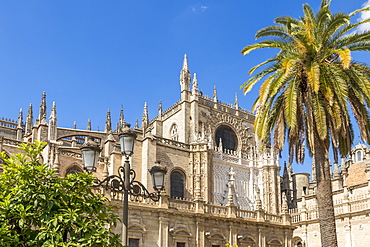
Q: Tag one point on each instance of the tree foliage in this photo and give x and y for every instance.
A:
(39, 208)
(310, 90)
(312, 82)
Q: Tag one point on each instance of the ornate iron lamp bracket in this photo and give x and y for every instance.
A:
(116, 184)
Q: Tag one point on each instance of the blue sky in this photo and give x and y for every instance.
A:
(93, 55)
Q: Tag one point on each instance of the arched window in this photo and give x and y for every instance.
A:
(359, 156)
(174, 132)
(228, 137)
(73, 169)
(177, 184)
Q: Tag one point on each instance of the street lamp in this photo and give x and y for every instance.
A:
(125, 180)
(90, 154)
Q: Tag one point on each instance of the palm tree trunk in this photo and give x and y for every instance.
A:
(324, 194)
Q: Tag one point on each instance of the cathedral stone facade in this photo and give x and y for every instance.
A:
(220, 187)
(351, 196)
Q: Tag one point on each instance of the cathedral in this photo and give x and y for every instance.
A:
(220, 186)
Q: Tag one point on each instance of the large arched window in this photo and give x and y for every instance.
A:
(228, 137)
(177, 184)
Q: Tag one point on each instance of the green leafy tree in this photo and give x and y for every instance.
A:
(310, 89)
(39, 208)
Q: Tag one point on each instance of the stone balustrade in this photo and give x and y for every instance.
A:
(8, 123)
(187, 206)
(341, 207)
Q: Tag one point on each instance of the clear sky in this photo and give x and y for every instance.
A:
(91, 55)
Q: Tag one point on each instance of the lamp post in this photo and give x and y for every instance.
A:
(125, 180)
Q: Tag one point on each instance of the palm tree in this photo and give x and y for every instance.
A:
(310, 90)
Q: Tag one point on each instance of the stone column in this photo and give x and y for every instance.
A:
(163, 232)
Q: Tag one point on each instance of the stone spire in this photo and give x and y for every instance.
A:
(53, 114)
(20, 119)
(194, 91)
(74, 139)
(52, 133)
(88, 124)
(160, 109)
(122, 121)
(285, 186)
(42, 112)
(145, 118)
(19, 125)
(29, 121)
(108, 123)
(185, 79)
(214, 94)
(236, 101)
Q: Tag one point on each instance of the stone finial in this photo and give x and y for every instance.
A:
(215, 94)
(220, 148)
(185, 79)
(145, 118)
(88, 124)
(108, 123)
(52, 132)
(53, 114)
(137, 123)
(29, 121)
(42, 111)
(258, 199)
(185, 74)
(160, 109)
(185, 63)
(194, 91)
(236, 101)
(74, 125)
(230, 185)
(122, 121)
(20, 119)
(336, 171)
(19, 125)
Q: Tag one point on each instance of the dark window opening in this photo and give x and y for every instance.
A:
(177, 184)
(180, 245)
(133, 242)
(228, 137)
